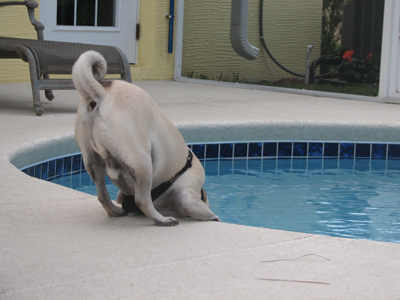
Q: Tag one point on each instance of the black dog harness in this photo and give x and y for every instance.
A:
(159, 190)
(128, 202)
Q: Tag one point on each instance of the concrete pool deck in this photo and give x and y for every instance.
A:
(57, 243)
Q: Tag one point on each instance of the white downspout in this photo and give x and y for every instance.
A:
(239, 40)
(178, 39)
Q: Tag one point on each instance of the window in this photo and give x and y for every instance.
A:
(86, 13)
(100, 22)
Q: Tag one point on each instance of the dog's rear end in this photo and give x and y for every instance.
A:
(123, 134)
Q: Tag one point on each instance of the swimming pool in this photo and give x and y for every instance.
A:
(338, 189)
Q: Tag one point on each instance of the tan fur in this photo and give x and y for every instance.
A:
(122, 133)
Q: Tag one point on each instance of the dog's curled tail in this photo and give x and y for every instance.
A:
(88, 70)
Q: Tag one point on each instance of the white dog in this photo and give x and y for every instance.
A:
(123, 134)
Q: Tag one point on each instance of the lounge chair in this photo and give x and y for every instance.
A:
(50, 57)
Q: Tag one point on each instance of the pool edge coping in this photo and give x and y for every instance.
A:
(41, 149)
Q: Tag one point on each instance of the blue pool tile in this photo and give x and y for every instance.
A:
(52, 168)
(59, 166)
(58, 176)
(299, 164)
(331, 149)
(67, 180)
(76, 163)
(226, 151)
(394, 151)
(239, 165)
(82, 164)
(25, 171)
(300, 149)
(253, 165)
(285, 163)
(58, 180)
(315, 149)
(56, 168)
(37, 171)
(240, 150)
(86, 180)
(212, 151)
(379, 150)
(315, 164)
(347, 150)
(44, 170)
(269, 164)
(394, 165)
(346, 164)
(255, 149)
(76, 180)
(270, 149)
(198, 150)
(363, 150)
(362, 163)
(30, 171)
(67, 167)
(225, 167)
(285, 149)
(378, 164)
(331, 163)
(210, 171)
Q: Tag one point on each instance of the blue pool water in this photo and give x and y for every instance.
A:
(353, 198)
(345, 189)
(344, 199)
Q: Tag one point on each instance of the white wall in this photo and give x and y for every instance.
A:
(389, 84)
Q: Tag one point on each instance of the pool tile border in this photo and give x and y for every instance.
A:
(72, 163)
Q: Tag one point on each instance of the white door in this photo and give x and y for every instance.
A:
(389, 82)
(100, 22)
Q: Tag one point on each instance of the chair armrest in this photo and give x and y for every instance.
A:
(30, 5)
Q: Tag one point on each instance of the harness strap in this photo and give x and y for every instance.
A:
(128, 202)
(202, 195)
(159, 190)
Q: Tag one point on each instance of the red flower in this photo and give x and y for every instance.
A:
(369, 56)
(347, 55)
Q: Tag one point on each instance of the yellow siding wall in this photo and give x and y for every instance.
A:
(289, 26)
(154, 62)
(14, 22)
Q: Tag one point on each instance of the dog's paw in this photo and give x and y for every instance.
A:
(116, 212)
(215, 218)
(168, 221)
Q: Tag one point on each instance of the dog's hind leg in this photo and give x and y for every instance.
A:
(105, 200)
(97, 172)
